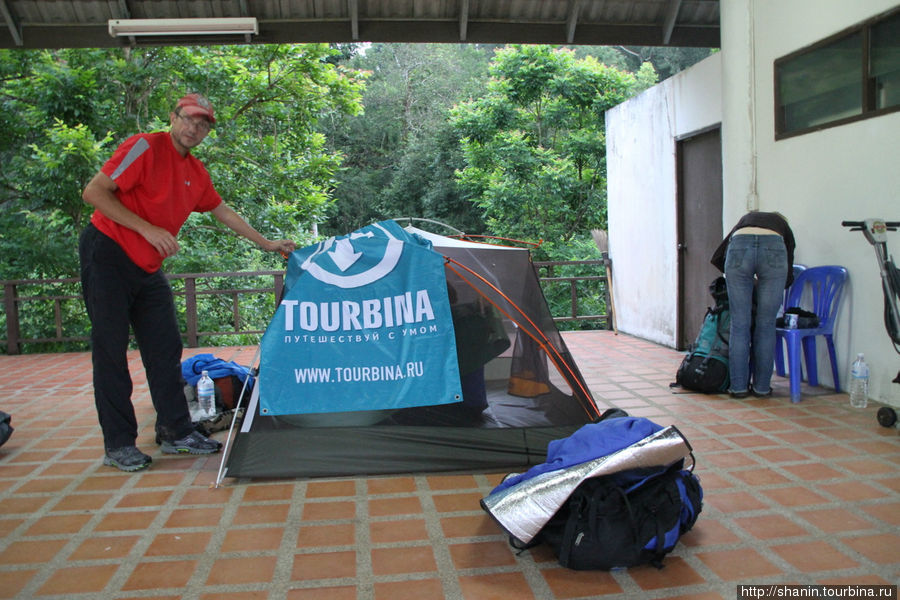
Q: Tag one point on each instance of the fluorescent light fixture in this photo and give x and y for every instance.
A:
(217, 26)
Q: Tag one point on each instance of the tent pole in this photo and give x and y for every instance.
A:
(253, 373)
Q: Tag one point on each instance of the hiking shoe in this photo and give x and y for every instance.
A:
(126, 458)
(192, 443)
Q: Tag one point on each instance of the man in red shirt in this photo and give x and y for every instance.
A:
(142, 196)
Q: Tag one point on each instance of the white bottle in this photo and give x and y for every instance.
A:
(206, 394)
(859, 383)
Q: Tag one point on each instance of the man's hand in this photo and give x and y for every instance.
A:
(285, 247)
(164, 242)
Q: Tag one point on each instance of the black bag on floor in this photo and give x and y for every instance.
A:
(627, 519)
(705, 367)
(6, 429)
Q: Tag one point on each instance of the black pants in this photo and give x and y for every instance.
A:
(118, 294)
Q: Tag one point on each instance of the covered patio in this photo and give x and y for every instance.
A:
(804, 493)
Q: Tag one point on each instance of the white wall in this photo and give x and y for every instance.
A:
(848, 172)
(640, 152)
(817, 179)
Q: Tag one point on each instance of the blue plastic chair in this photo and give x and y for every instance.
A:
(826, 284)
(797, 270)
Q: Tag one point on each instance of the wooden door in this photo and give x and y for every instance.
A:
(699, 227)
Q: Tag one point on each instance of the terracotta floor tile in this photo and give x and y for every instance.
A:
(834, 520)
(469, 526)
(881, 548)
(342, 534)
(708, 532)
(174, 544)
(855, 492)
(823, 451)
(259, 514)
(780, 455)
(794, 496)
(114, 546)
(733, 502)
(194, 517)
(757, 477)
(566, 583)
(814, 472)
(78, 580)
(403, 530)
(497, 586)
(218, 495)
(326, 511)
(738, 565)
(419, 589)
(260, 595)
(43, 485)
(729, 460)
(24, 506)
(810, 557)
(126, 521)
(243, 570)
(457, 502)
(324, 593)
(482, 554)
(396, 561)
(330, 489)
(142, 499)
(324, 565)
(81, 502)
(675, 573)
(13, 585)
(383, 507)
(165, 574)
(451, 482)
(262, 493)
(108, 483)
(391, 485)
(767, 527)
(58, 524)
(7, 526)
(26, 552)
(866, 466)
(889, 513)
(254, 539)
(152, 479)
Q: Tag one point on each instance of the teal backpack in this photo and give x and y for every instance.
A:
(705, 367)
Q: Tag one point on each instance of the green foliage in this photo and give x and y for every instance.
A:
(402, 153)
(534, 145)
(62, 113)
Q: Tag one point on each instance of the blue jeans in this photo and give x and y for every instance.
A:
(759, 260)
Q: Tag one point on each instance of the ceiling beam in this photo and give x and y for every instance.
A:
(463, 20)
(353, 10)
(12, 23)
(671, 18)
(572, 20)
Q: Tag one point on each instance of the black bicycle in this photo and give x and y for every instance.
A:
(875, 231)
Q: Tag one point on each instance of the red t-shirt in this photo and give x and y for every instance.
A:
(159, 185)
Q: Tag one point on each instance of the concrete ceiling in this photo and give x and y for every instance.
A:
(84, 23)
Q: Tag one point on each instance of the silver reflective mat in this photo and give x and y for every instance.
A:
(523, 509)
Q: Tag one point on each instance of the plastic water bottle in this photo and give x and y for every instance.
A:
(206, 394)
(190, 395)
(859, 383)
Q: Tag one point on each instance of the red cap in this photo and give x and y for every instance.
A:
(195, 105)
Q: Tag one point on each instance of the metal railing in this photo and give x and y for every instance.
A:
(209, 305)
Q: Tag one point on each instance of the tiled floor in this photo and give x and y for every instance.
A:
(803, 493)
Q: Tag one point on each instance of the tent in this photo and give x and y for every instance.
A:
(396, 350)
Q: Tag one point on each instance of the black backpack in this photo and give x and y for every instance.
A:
(626, 519)
(705, 367)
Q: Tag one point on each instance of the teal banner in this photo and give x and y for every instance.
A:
(364, 324)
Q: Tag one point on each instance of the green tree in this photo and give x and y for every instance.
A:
(401, 154)
(64, 111)
(534, 145)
